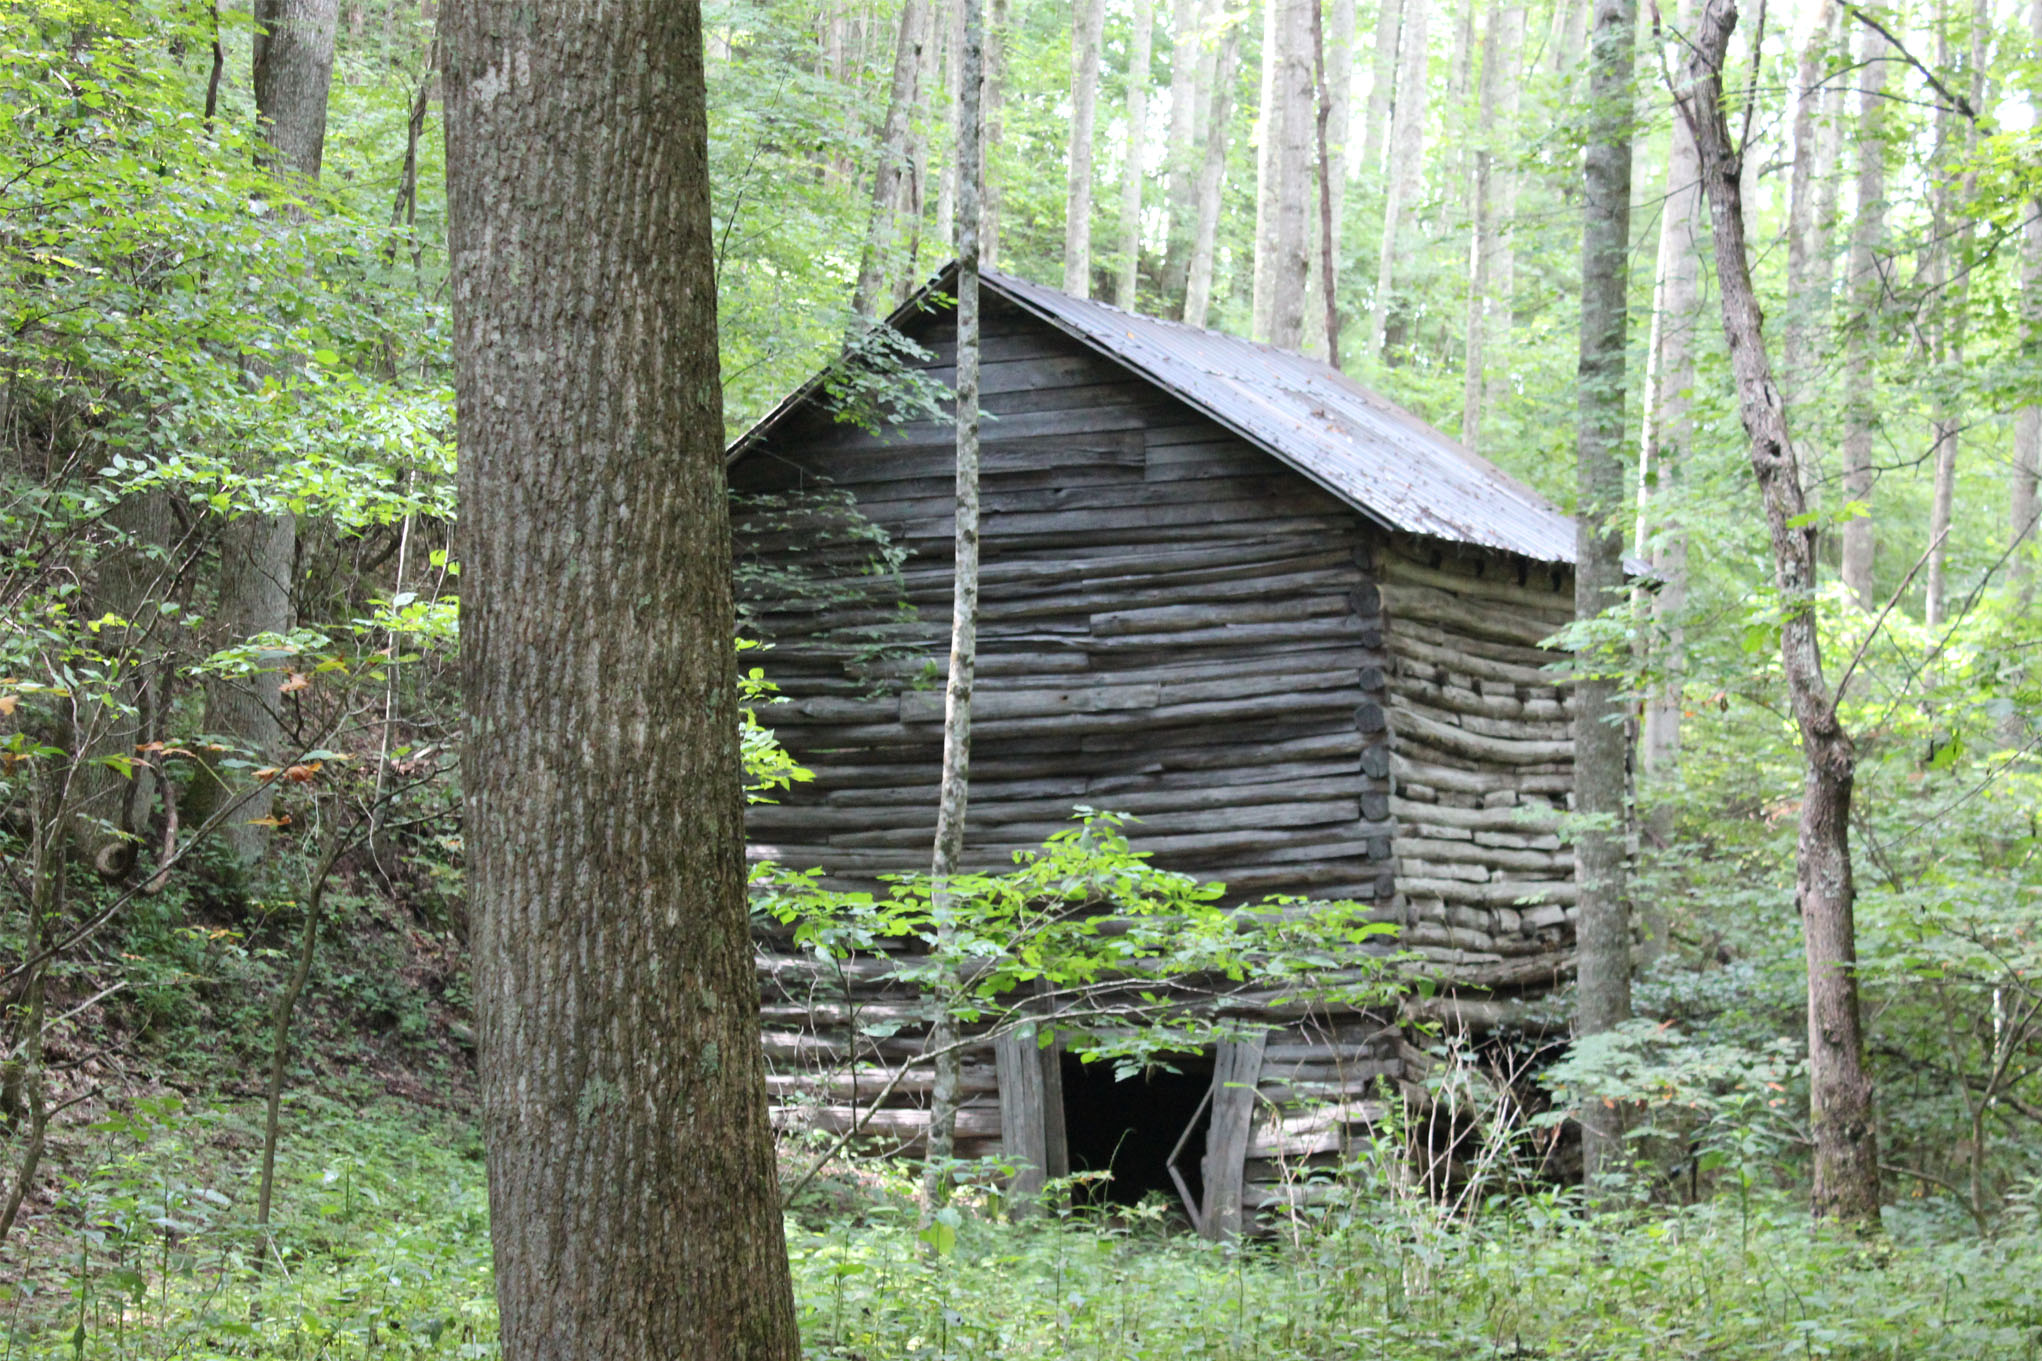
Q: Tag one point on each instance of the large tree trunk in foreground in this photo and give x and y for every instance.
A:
(1088, 22)
(292, 76)
(879, 266)
(954, 794)
(1840, 1090)
(633, 1203)
(1603, 991)
(1868, 235)
(1198, 287)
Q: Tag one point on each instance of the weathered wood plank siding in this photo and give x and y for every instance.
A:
(1173, 626)
(1482, 754)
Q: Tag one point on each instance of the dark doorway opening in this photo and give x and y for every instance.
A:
(1129, 1127)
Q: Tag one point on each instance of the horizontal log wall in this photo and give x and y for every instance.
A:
(1482, 759)
(1173, 625)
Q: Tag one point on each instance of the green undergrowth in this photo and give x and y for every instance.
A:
(380, 1249)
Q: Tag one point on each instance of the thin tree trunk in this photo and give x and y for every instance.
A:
(1283, 250)
(1268, 112)
(2022, 500)
(1569, 30)
(1226, 68)
(1498, 48)
(953, 797)
(1407, 149)
(1132, 174)
(292, 76)
(1840, 1090)
(1808, 242)
(1603, 987)
(1952, 271)
(1087, 26)
(1868, 235)
(280, 1036)
(878, 268)
(114, 809)
(1188, 42)
(1663, 458)
(1329, 261)
(634, 1208)
(953, 60)
(1322, 304)
(1382, 88)
(995, 130)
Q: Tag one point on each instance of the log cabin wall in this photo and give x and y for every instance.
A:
(1173, 625)
(1176, 626)
(1482, 756)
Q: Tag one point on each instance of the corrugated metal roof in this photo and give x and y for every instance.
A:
(1374, 455)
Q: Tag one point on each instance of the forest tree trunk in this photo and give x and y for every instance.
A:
(2022, 500)
(1282, 249)
(992, 97)
(1407, 150)
(1198, 287)
(1868, 235)
(1187, 47)
(1499, 52)
(1088, 22)
(1132, 174)
(1603, 989)
(634, 1206)
(1663, 457)
(877, 267)
(1840, 1090)
(1382, 90)
(954, 793)
(292, 77)
(1808, 237)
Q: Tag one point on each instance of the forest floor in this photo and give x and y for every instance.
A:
(381, 1248)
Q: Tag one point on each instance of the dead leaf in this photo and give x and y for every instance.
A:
(7, 704)
(294, 682)
(303, 774)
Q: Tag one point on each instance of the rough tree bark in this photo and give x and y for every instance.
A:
(1840, 1090)
(954, 794)
(634, 1207)
(1133, 174)
(877, 268)
(293, 74)
(1282, 249)
(1088, 22)
(1603, 988)
(1226, 68)
(1868, 236)
(1407, 151)
(1663, 456)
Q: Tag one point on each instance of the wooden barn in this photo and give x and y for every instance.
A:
(1288, 626)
